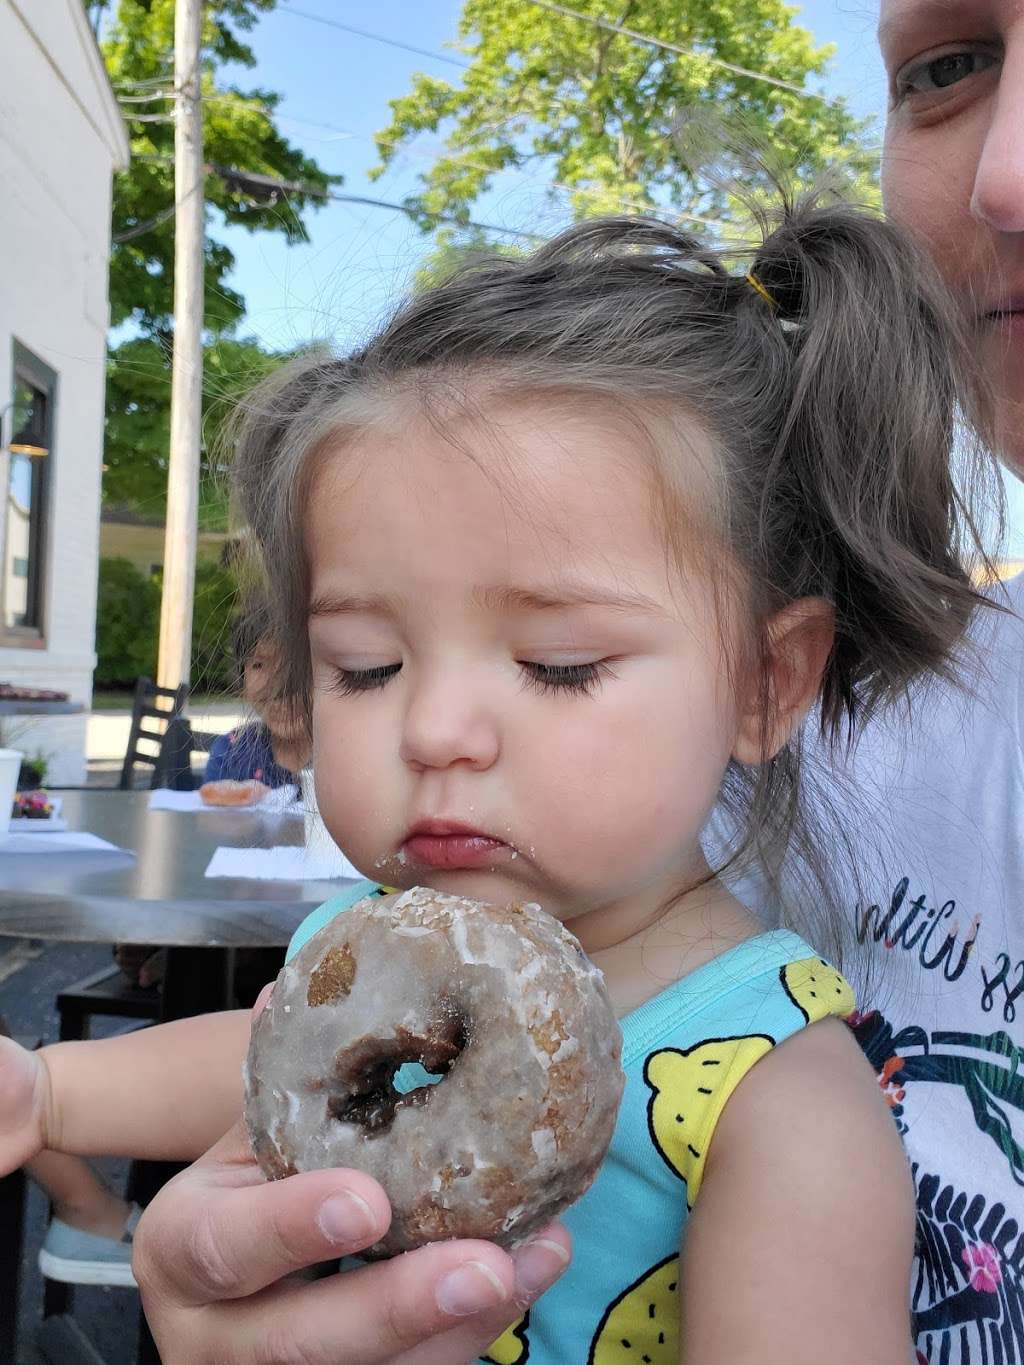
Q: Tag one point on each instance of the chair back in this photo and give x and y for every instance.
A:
(148, 715)
(180, 742)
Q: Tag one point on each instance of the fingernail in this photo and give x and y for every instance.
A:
(539, 1264)
(344, 1218)
(470, 1289)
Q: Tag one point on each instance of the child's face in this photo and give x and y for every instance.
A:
(516, 693)
(261, 691)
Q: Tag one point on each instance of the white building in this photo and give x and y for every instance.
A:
(61, 139)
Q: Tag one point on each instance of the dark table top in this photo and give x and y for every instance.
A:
(159, 896)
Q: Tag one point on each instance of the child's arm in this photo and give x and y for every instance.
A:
(166, 1093)
(799, 1247)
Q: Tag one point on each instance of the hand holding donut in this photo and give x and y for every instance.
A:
(214, 1248)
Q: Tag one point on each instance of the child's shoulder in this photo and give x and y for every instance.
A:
(772, 984)
(688, 1050)
(323, 914)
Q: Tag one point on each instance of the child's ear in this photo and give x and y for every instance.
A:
(798, 644)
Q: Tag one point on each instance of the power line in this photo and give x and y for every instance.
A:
(665, 46)
(373, 37)
(249, 181)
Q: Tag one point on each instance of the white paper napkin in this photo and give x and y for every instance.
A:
(285, 863)
(276, 801)
(72, 842)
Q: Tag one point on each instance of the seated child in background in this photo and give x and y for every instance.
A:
(269, 749)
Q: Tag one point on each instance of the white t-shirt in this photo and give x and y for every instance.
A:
(936, 818)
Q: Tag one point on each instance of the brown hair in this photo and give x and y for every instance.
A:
(833, 404)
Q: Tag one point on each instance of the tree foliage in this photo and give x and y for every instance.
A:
(127, 623)
(138, 422)
(239, 134)
(597, 111)
(128, 626)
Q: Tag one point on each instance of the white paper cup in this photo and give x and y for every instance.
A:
(10, 766)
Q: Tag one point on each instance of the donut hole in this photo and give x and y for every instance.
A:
(369, 1069)
(412, 1076)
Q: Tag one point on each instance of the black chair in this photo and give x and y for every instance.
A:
(107, 991)
(174, 768)
(146, 707)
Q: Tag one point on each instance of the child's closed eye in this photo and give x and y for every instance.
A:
(580, 678)
(348, 681)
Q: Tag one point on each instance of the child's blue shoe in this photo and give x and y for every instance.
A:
(78, 1257)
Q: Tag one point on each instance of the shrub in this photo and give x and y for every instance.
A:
(127, 623)
(128, 626)
(216, 598)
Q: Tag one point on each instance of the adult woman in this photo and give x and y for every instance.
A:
(949, 911)
(955, 174)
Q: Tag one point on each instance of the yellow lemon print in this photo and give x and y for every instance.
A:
(690, 1091)
(816, 989)
(642, 1324)
(512, 1347)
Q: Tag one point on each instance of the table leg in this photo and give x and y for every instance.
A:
(195, 982)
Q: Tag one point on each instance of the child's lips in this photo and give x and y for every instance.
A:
(449, 851)
(451, 844)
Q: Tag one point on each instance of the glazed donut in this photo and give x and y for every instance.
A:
(502, 1003)
(227, 792)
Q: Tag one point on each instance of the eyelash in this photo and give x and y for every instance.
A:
(574, 679)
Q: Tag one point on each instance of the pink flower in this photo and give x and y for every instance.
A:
(982, 1266)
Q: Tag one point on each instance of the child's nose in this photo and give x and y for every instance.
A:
(446, 725)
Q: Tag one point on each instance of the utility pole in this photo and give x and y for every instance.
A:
(187, 364)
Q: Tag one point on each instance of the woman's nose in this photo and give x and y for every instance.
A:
(447, 724)
(998, 196)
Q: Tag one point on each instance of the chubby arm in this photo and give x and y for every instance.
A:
(166, 1093)
(799, 1247)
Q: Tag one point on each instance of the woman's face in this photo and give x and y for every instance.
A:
(953, 171)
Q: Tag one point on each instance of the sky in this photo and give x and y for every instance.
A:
(335, 88)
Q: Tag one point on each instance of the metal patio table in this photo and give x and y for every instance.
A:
(159, 896)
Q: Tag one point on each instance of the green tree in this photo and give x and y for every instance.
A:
(598, 110)
(138, 418)
(452, 251)
(239, 135)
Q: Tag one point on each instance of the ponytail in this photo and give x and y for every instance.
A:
(858, 501)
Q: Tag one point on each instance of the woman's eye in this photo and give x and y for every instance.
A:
(582, 679)
(940, 73)
(348, 681)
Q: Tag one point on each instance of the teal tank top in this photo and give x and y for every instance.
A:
(684, 1053)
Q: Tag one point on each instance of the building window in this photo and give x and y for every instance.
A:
(25, 476)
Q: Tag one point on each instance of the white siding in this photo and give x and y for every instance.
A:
(60, 140)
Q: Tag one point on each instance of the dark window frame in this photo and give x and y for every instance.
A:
(27, 367)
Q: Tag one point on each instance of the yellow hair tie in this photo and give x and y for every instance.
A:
(759, 288)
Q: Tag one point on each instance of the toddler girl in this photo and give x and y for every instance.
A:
(269, 748)
(560, 557)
